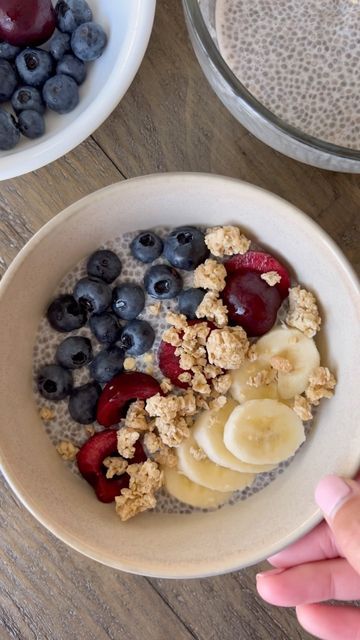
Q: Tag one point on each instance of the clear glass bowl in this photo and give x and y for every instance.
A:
(265, 125)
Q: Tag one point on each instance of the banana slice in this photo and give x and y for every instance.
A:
(263, 432)
(300, 350)
(208, 433)
(207, 473)
(241, 391)
(191, 493)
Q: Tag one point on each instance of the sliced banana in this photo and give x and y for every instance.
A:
(191, 493)
(207, 473)
(263, 432)
(301, 352)
(208, 433)
(241, 391)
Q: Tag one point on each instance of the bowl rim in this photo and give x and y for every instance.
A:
(65, 140)
(202, 569)
(195, 18)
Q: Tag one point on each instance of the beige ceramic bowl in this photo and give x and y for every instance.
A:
(176, 545)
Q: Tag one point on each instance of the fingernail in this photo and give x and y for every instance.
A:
(271, 572)
(331, 493)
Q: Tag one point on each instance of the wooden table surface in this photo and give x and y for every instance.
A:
(170, 120)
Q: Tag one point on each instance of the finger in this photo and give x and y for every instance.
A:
(330, 623)
(319, 544)
(339, 500)
(307, 583)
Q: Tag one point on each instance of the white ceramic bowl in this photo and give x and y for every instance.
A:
(128, 24)
(176, 545)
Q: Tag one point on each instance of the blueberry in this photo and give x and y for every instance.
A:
(93, 294)
(83, 402)
(9, 132)
(31, 124)
(104, 264)
(26, 98)
(8, 51)
(59, 45)
(54, 382)
(8, 81)
(185, 248)
(162, 282)
(189, 300)
(146, 246)
(128, 300)
(74, 352)
(88, 41)
(65, 314)
(34, 66)
(71, 66)
(61, 94)
(71, 13)
(137, 337)
(107, 364)
(105, 327)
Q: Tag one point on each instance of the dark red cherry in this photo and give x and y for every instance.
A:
(260, 262)
(26, 22)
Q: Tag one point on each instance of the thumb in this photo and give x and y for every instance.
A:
(339, 499)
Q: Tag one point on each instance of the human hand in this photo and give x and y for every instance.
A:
(324, 565)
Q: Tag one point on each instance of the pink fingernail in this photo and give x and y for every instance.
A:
(271, 572)
(331, 493)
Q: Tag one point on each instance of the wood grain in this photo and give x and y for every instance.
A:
(170, 120)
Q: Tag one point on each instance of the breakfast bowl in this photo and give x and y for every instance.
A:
(128, 27)
(271, 66)
(200, 543)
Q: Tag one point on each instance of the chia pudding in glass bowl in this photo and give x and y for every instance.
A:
(288, 71)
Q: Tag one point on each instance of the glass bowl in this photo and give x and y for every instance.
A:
(260, 121)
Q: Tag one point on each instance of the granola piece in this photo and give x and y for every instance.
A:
(210, 275)
(169, 412)
(115, 466)
(198, 453)
(166, 385)
(227, 347)
(213, 309)
(148, 357)
(67, 450)
(185, 377)
(281, 364)
(177, 320)
(173, 433)
(186, 361)
(155, 308)
(46, 414)
(217, 403)
(126, 439)
(89, 429)
(188, 403)
(226, 241)
(252, 354)
(321, 385)
(211, 372)
(152, 442)
(145, 480)
(136, 416)
(262, 377)
(222, 383)
(303, 311)
(166, 457)
(129, 364)
(200, 384)
(302, 408)
(271, 278)
(195, 336)
(172, 336)
(202, 404)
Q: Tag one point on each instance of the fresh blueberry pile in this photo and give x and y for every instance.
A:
(33, 79)
(111, 311)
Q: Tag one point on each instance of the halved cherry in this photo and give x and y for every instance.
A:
(260, 262)
(90, 462)
(120, 391)
(26, 22)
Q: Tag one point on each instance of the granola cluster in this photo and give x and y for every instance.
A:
(67, 450)
(303, 311)
(271, 278)
(226, 241)
(210, 275)
(145, 480)
(321, 385)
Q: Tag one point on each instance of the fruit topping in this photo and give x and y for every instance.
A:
(162, 282)
(251, 303)
(34, 66)
(83, 402)
(189, 300)
(128, 300)
(65, 314)
(260, 262)
(61, 94)
(71, 66)
(31, 124)
(104, 264)
(120, 392)
(137, 337)
(92, 294)
(8, 80)
(146, 246)
(59, 45)
(105, 327)
(8, 51)
(26, 22)
(107, 364)
(169, 364)
(74, 352)
(54, 382)
(9, 132)
(25, 98)
(185, 248)
(88, 41)
(71, 13)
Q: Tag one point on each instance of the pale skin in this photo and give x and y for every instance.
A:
(322, 566)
